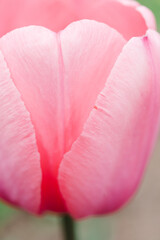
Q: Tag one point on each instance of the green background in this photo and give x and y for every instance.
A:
(154, 5)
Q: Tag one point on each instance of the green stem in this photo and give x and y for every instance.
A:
(68, 228)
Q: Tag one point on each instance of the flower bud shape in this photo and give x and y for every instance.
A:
(79, 103)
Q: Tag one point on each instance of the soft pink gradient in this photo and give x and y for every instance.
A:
(20, 172)
(123, 15)
(106, 162)
(80, 107)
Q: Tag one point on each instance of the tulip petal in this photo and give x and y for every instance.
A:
(119, 14)
(53, 14)
(35, 67)
(126, 16)
(20, 172)
(89, 51)
(148, 16)
(106, 163)
(54, 74)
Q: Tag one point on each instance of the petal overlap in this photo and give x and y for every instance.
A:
(54, 73)
(79, 103)
(20, 171)
(126, 16)
(109, 157)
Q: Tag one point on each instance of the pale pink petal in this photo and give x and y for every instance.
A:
(128, 2)
(89, 3)
(89, 50)
(55, 73)
(121, 15)
(126, 16)
(105, 164)
(35, 67)
(20, 172)
(148, 16)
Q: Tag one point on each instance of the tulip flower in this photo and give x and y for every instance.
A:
(79, 103)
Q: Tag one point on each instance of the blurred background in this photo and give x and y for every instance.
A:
(139, 220)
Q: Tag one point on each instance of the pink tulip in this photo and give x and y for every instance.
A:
(79, 109)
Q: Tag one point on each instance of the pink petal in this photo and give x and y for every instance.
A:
(20, 173)
(55, 73)
(123, 15)
(119, 14)
(89, 51)
(148, 16)
(35, 68)
(53, 14)
(129, 2)
(106, 163)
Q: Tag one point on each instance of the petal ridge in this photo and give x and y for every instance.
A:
(106, 163)
(17, 131)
